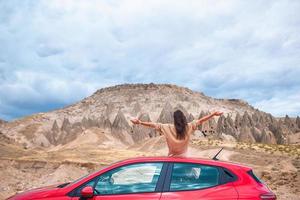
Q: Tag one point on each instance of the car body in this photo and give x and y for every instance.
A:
(161, 178)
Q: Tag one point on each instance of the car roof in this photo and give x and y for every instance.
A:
(185, 159)
(225, 164)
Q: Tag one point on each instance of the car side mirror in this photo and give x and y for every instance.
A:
(87, 192)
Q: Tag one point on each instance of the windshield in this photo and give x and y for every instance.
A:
(83, 177)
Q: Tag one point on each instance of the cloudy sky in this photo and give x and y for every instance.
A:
(54, 53)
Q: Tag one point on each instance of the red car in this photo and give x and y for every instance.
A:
(161, 178)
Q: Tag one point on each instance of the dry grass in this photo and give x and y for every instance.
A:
(277, 165)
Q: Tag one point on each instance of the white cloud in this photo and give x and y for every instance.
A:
(233, 49)
(281, 105)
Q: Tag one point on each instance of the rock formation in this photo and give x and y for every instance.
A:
(66, 126)
(190, 117)
(298, 123)
(67, 132)
(202, 114)
(182, 109)
(89, 122)
(237, 121)
(109, 109)
(246, 135)
(221, 125)
(257, 134)
(166, 115)
(139, 132)
(292, 124)
(121, 129)
(53, 135)
(136, 109)
(246, 120)
(77, 128)
(107, 124)
(118, 104)
(268, 137)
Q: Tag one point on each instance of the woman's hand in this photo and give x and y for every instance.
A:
(135, 121)
(217, 113)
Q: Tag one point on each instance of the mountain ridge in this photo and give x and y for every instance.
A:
(157, 101)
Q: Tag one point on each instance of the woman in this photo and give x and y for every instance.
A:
(177, 134)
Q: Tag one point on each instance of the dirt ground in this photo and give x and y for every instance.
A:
(22, 169)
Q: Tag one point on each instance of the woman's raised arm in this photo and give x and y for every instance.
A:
(147, 124)
(207, 117)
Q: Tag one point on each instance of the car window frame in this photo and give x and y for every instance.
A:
(158, 187)
(221, 170)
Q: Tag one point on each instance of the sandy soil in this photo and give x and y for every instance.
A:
(23, 169)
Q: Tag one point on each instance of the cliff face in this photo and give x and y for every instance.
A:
(110, 109)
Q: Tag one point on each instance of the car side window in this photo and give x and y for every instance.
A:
(189, 176)
(135, 178)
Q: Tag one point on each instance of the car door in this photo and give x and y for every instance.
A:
(196, 182)
(135, 181)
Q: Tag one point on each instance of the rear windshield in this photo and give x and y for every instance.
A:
(254, 176)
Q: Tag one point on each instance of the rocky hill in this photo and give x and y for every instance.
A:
(109, 109)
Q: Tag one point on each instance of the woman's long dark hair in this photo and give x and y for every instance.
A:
(180, 124)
